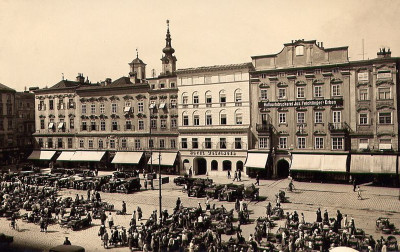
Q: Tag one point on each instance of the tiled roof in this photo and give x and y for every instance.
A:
(215, 68)
(65, 84)
(5, 88)
(123, 81)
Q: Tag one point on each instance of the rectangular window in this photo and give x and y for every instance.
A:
(71, 103)
(101, 144)
(59, 143)
(282, 117)
(83, 108)
(93, 126)
(102, 108)
(128, 125)
(51, 104)
(364, 94)
(162, 85)
(264, 94)
(208, 120)
(69, 140)
(102, 125)
(172, 84)
(319, 143)
(173, 123)
(336, 90)
(222, 99)
(222, 143)
(238, 143)
(185, 120)
(184, 143)
(195, 143)
(81, 143)
(318, 117)
(49, 143)
(283, 143)
(140, 107)
(172, 144)
(281, 93)
(114, 125)
(163, 124)
(41, 124)
(112, 143)
(239, 119)
(71, 123)
(317, 91)
(153, 123)
(151, 143)
(263, 143)
(223, 119)
(196, 99)
(141, 125)
(300, 92)
(93, 109)
(385, 118)
(383, 93)
(363, 119)
(123, 143)
(173, 103)
(90, 144)
(301, 117)
(84, 125)
(301, 142)
(208, 143)
(162, 143)
(138, 144)
(208, 100)
(337, 143)
(114, 108)
(196, 120)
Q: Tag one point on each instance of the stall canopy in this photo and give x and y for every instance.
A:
(88, 156)
(127, 157)
(378, 164)
(66, 156)
(167, 158)
(41, 155)
(320, 163)
(256, 160)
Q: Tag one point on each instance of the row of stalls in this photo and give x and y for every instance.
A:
(379, 168)
(105, 160)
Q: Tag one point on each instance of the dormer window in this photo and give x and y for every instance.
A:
(299, 50)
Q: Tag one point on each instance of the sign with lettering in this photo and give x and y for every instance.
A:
(213, 153)
(305, 103)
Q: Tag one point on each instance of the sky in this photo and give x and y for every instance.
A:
(42, 40)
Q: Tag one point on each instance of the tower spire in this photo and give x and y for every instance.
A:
(168, 50)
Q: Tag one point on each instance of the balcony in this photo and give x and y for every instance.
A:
(61, 106)
(263, 127)
(115, 128)
(71, 105)
(128, 127)
(339, 127)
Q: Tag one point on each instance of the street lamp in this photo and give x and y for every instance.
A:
(159, 183)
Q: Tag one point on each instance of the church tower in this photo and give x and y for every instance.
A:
(168, 60)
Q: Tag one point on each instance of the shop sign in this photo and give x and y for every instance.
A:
(305, 103)
(213, 153)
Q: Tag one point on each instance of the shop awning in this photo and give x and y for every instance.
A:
(167, 158)
(334, 163)
(162, 106)
(127, 157)
(306, 162)
(51, 125)
(41, 155)
(256, 160)
(88, 156)
(66, 156)
(377, 164)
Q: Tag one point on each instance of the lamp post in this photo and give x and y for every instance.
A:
(159, 183)
(151, 141)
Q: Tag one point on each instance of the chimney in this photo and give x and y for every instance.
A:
(383, 53)
(80, 78)
(322, 45)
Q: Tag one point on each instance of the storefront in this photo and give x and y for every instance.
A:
(167, 161)
(128, 160)
(381, 169)
(256, 163)
(42, 158)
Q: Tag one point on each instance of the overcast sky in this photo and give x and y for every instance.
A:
(41, 39)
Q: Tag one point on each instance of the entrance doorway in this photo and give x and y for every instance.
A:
(239, 166)
(201, 166)
(226, 165)
(282, 168)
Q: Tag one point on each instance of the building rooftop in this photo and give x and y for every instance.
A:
(5, 88)
(215, 68)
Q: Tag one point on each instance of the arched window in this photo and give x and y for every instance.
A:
(196, 118)
(238, 117)
(208, 117)
(185, 119)
(208, 99)
(238, 97)
(239, 166)
(226, 165)
(222, 98)
(214, 165)
(222, 117)
(195, 99)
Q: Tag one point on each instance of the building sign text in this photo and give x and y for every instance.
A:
(304, 103)
(213, 153)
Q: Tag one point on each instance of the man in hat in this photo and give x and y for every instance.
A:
(67, 242)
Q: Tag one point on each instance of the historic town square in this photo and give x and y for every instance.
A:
(277, 129)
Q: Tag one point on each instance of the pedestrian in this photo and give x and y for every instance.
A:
(229, 174)
(235, 176)
(110, 220)
(326, 217)
(103, 217)
(339, 218)
(190, 172)
(319, 216)
(123, 208)
(96, 172)
(354, 184)
(139, 211)
(67, 242)
(358, 193)
(240, 175)
(257, 179)
(145, 184)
